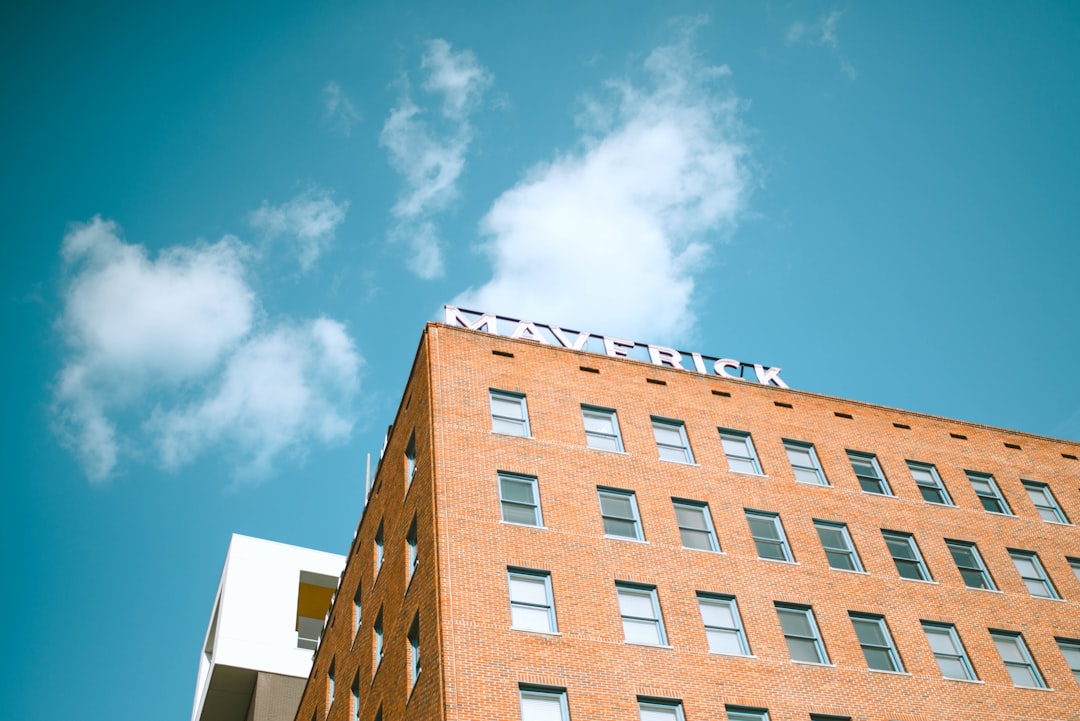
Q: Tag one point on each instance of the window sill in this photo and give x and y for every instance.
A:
(944, 505)
(963, 680)
(625, 538)
(777, 560)
(890, 673)
(549, 634)
(704, 550)
(1004, 515)
(1033, 688)
(523, 525)
(680, 463)
(920, 580)
(748, 473)
(605, 450)
(731, 655)
(813, 485)
(850, 570)
(985, 590)
(1053, 523)
(883, 495)
(648, 645)
(814, 663)
(1055, 600)
(511, 435)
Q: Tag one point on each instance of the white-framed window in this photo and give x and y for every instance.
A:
(951, 657)
(519, 498)
(723, 626)
(357, 608)
(378, 633)
(868, 472)
(1070, 649)
(1074, 564)
(877, 643)
(929, 482)
(768, 535)
(739, 449)
(380, 549)
(354, 711)
(1044, 502)
(744, 713)
(330, 672)
(543, 704)
(601, 428)
(414, 557)
(619, 511)
(640, 611)
(532, 605)
(671, 440)
(970, 564)
(805, 463)
(839, 549)
(410, 459)
(659, 710)
(695, 525)
(1017, 659)
(801, 633)
(414, 651)
(905, 554)
(989, 496)
(1033, 574)
(509, 413)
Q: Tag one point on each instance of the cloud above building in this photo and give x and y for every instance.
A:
(822, 33)
(613, 235)
(307, 222)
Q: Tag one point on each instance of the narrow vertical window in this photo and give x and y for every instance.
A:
(640, 611)
(801, 633)
(543, 704)
(330, 684)
(378, 639)
(949, 652)
(671, 440)
(414, 558)
(905, 554)
(839, 549)
(742, 713)
(618, 509)
(509, 414)
(805, 463)
(1074, 564)
(357, 608)
(987, 491)
(601, 428)
(1018, 662)
(659, 710)
(414, 651)
(876, 642)
(723, 627)
(1044, 502)
(410, 459)
(531, 601)
(739, 449)
(355, 710)
(1070, 649)
(929, 483)
(970, 564)
(868, 472)
(768, 535)
(379, 550)
(695, 525)
(520, 499)
(1032, 572)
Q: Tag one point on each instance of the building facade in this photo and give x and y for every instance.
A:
(558, 534)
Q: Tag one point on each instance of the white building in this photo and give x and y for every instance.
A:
(267, 618)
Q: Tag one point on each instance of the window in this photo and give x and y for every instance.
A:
(330, 684)
(1070, 649)
(929, 483)
(987, 491)
(1017, 660)
(355, 711)
(801, 633)
(378, 639)
(531, 606)
(660, 710)
(1044, 501)
(905, 554)
(741, 713)
(640, 613)
(970, 565)
(949, 652)
(839, 549)
(671, 440)
(543, 704)
(620, 514)
(828, 717)
(804, 462)
(723, 627)
(356, 609)
(509, 413)
(739, 449)
(414, 651)
(1074, 563)
(876, 641)
(410, 459)
(520, 500)
(768, 535)
(867, 470)
(410, 541)
(379, 549)
(1031, 570)
(695, 526)
(601, 428)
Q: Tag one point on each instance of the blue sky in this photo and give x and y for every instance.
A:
(228, 225)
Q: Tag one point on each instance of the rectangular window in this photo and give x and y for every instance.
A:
(876, 641)
(531, 604)
(356, 608)
(640, 611)
(869, 473)
(1044, 502)
(378, 639)
(410, 459)
(768, 535)
(601, 428)
(804, 462)
(739, 449)
(671, 440)
(379, 549)
(742, 713)
(949, 652)
(509, 414)
(723, 627)
(801, 633)
(543, 704)
(520, 499)
(695, 525)
(330, 684)
(970, 564)
(1031, 570)
(905, 554)
(414, 651)
(1070, 649)
(355, 711)
(929, 483)
(619, 512)
(660, 710)
(1074, 564)
(839, 549)
(414, 558)
(1017, 659)
(987, 491)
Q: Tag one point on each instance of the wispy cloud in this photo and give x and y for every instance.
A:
(612, 236)
(823, 33)
(308, 220)
(428, 150)
(154, 341)
(338, 110)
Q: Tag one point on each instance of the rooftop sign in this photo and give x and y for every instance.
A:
(614, 347)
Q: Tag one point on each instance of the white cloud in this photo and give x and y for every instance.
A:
(611, 237)
(428, 151)
(144, 332)
(309, 220)
(338, 109)
(823, 33)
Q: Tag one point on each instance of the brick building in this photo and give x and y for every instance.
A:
(564, 534)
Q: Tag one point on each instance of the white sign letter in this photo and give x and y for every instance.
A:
(699, 363)
(486, 321)
(526, 330)
(767, 375)
(662, 356)
(726, 363)
(578, 344)
(617, 347)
